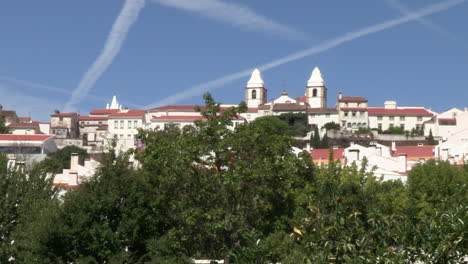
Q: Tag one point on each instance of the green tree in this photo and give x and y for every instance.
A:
(25, 197)
(430, 139)
(315, 141)
(59, 160)
(331, 126)
(224, 183)
(3, 128)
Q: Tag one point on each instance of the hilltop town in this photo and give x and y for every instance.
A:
(391, 138)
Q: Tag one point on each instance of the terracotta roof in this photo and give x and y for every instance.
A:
(129, 113)
(353, 99)
(399, 111)
(447, 119)
(39, 122)
(289, 107)
(178, 118)
(191, 108)
(322, 110)
(415, 151)
(103, 111)
(303, 99)
(324, 154)
(264, 107)
(24, 118)
(184, 118)
(23, 125)
(81, 118)
(10, 137)
(353, 108)
(64, 114)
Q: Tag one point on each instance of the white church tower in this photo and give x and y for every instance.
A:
(114, 104)
(255, 91)
(316, 91)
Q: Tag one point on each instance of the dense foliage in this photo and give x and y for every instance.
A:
(298, 123)
(216, 192)
(59, 160)
(3, 128)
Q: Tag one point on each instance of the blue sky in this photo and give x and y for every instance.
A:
(171, 46)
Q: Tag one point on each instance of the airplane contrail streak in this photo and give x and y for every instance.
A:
(324, 46)
(127, 17)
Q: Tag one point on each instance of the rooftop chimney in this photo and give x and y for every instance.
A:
(402, 163)
(390, 105)
(56, 111)
(74, 163)
(340, 94)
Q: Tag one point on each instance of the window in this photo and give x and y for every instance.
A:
(116, 124)
(402, 118)
(129, 137)
(345, 113)
(327, 115)
(349, 124)
(121, 136)
(135, 124)
(419, 118)
(60, 119)
(379, 118)
(354, 113)
(392, 125)
(402, 126)
(314, 93)
(122, 124)
(129, 123)
(254, 94)
(379, 126)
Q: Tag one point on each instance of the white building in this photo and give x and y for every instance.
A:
(123, 126)
(73, 177)
(27, 148)
(408, 118)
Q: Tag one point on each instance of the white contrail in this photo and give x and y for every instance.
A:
(234, 14)
(127, 17)
(324, 46)
(34, 85)
(426, 23)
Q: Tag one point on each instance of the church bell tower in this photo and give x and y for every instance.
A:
(316, 91)
(255, 91)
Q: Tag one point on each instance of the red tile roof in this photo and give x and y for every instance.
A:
(64, 114)
(353, 108)
(399, 111)
(303, 99)
(81, 118)
(324, 154)
(39, 122)
(24, 118)
(289, 107)
(447, 119)
(321, 110)
(23, 125)
(103, 111)
(191, 108)
(415, 151)
(129, 113)
(352, 99)
(183, 118)
(179, 118)
(10, 137)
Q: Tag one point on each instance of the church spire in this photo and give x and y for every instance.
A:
(114, 104)
(256, 80)
(316, 78)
